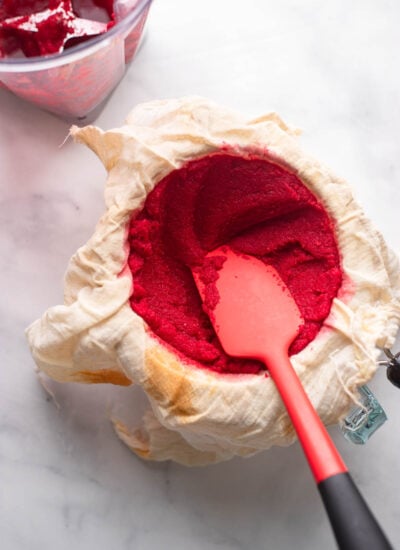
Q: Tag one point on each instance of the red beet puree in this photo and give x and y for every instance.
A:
(260, 209)
(31, 28)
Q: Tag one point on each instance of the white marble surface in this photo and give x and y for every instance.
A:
(66, 482)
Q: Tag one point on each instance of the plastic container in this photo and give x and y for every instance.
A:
(363, 421)
(74, 84)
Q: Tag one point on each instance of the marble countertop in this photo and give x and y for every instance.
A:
(66, 481)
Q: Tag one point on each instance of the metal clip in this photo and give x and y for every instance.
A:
(393, 367)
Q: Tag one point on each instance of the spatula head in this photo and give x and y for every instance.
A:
(252, 310)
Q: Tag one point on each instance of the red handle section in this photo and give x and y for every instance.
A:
(321, 453)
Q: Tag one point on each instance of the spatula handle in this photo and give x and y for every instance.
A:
(321, 453)
(353, 523)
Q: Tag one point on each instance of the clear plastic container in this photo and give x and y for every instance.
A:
(74, 84)
(364, 420)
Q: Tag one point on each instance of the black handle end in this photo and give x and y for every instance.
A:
(353, 523)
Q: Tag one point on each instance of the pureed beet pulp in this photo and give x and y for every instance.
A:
(30, 28)
(259, 208)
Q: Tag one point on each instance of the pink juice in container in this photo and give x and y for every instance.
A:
(67, 56)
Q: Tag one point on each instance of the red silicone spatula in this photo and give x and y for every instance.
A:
(256, 317)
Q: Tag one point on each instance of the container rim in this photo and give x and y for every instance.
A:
(15, 65)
